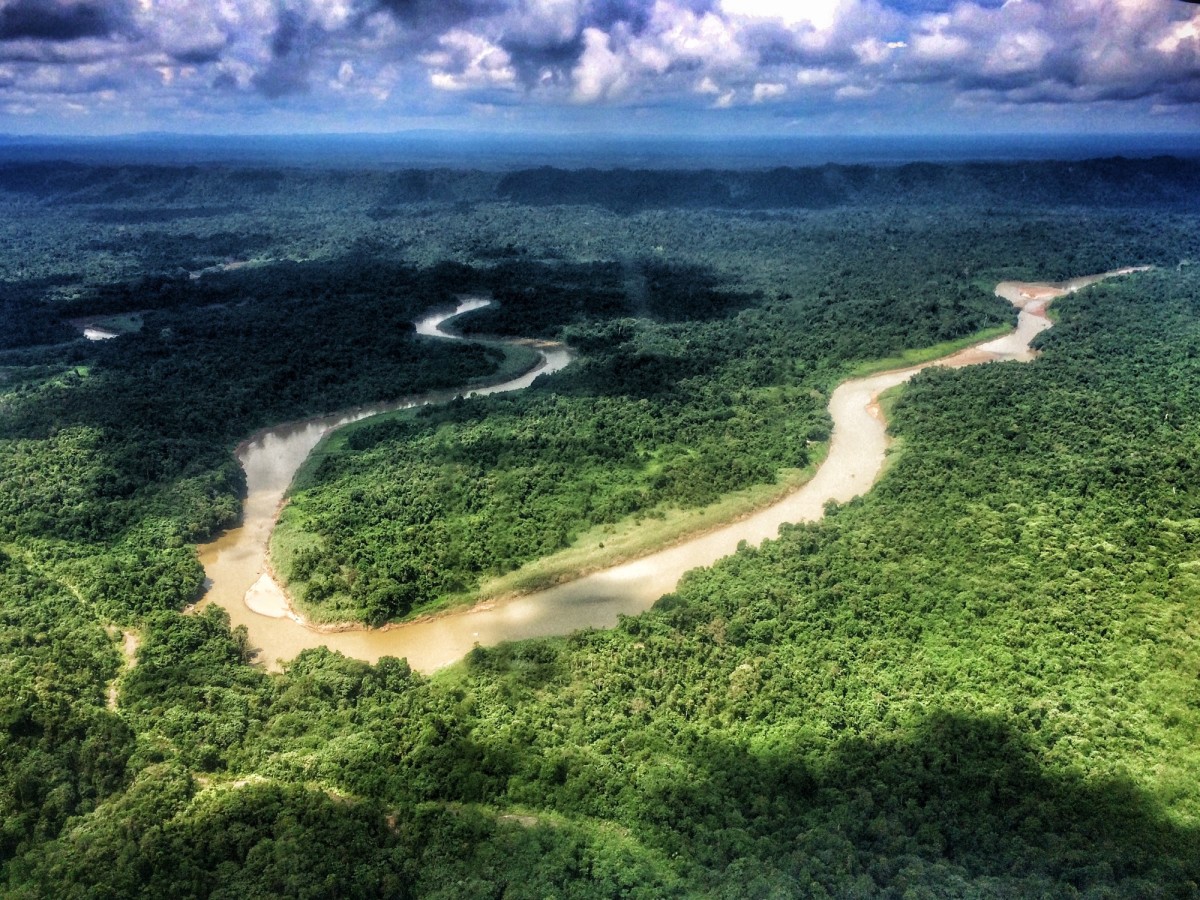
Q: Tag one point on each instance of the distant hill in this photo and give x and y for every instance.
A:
(155, 193)
(1118, 181)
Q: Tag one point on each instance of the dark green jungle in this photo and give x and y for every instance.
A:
(980, 679)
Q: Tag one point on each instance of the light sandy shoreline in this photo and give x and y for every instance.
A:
(240, 580)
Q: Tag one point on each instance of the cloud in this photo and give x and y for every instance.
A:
(872, 51)
(189, 32)
(940, 47)
(600, 73)
(1071, 52)
(469, 62)
(704, 38)
(292, 44)
(855, 92)
(431, 17)
(51, 20)
(819, 14)
(772, 58)
(764, 91)
(1020, 51)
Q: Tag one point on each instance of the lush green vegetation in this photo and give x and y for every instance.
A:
(974, 684)
(979, 680)
(62, 752)
(116, 453)
(657, 415)
(668, 411)
(1100, 182)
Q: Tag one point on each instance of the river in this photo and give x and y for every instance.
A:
(236, 564)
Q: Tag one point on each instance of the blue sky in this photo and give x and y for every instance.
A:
(709, 67)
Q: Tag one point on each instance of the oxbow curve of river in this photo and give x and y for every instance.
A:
(236, 563)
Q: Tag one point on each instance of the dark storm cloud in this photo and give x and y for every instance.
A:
(1013, 81)
(48, 20)
(287, 34)
(531, 60)
(292, 45)
(534, 56)
(1121, 52)
(607, 13)
(278, 80)
(1186, 92)
(433, 16)
(197, 57)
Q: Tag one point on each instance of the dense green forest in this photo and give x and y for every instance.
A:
(660, 413)
(116, 453)
(977, 680)
(673, 405)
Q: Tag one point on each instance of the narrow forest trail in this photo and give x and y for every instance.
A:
(240, 582)
(130, 642)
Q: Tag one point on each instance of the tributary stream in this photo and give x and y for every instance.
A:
(239, 580)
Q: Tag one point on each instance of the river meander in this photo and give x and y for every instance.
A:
(239, 581)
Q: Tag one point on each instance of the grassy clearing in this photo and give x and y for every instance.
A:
(888, 399)
(925, 354)
(287, 539)
(887, 403)
(610, 545)
(121, 324)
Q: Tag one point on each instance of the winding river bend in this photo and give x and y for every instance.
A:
(236, 563)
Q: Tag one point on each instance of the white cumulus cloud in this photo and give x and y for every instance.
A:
(768, 90)
(600, 73)
(467, 61)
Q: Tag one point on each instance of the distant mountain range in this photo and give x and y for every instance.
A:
(141, 193)
(510, 151)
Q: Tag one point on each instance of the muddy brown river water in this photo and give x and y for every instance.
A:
(236, 564)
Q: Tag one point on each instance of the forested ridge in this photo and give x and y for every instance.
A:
(977, 680)
(140, 190)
